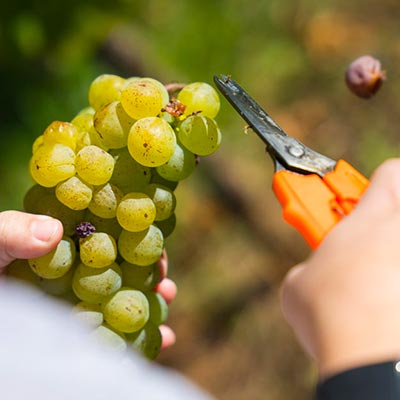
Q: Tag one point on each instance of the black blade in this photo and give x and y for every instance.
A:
(287, 150)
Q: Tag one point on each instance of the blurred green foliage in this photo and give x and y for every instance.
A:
(291, 56)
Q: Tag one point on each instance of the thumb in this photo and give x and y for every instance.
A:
(24, 235)
(383, 193)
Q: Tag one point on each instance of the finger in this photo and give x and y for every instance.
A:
(167, 288)
(24, 235)
(162, 264)
(383, 193)
(168, 337)
(290, 292)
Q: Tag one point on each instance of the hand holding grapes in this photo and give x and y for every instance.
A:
(343, 301)
(24, 235)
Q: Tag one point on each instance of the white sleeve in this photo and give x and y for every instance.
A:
(44, 355)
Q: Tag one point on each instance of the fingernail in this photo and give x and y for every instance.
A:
(44, 229)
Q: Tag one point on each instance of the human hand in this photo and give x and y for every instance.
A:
(343, 302)
(24, 235)
(167, 288)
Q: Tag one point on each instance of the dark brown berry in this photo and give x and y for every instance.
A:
(84, 229)
(364, 76)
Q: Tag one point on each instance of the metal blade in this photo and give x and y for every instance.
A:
(287, 150)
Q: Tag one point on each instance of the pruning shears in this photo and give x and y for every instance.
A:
(315, 191)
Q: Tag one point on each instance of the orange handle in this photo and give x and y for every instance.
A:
(314, 206)
(347, 183)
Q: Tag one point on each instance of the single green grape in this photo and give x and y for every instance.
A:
(38, 142)
(107, 336)
(163, 199)
(200, 135)
(139, 277)
(136, 212)
(74, 193)
(144, 98)
(200, 96)
(94, 165)
(151, 141)
(62, 133)
(98, 250)
(141, 248)
(105, 200)
(127, 310)
(147, 341)
(181, 165)
(105, 89)
(51, 164)
(56, 263)
(158, 308)
(93, 285)
(90, 315)
(129, 175)
(113, 125)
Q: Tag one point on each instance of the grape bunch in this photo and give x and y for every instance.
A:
(109, 176)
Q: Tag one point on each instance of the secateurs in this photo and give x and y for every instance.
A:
(315, 191)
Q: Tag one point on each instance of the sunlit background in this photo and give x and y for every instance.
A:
(231, 247)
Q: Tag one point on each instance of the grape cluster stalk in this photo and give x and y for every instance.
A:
(109, 176)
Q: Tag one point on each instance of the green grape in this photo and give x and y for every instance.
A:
(139, 277)
(162, 88)
(136, 212)
(144, 98)
(200, 96)
(106, 336)
(200, 135)
(147, 341)
(127, 310)
(158, 308)
(98, 250)
(163, 199)
(151, 141)
(105, 89)
(87, 133)
(157, 178)
(141, 248)
(40, 200)
(107, 225)
(74, 193)
(113, 125)
(33, 197)
(105, 201)
(94, 165)
(37, 143)
(51, 164)
(58, 286)
(86, 110)
(89, 315)
(56, 263)
(61, 132)
(93, 285)
(167, 226)
(179, 166)
(129, 175)
(21, 272)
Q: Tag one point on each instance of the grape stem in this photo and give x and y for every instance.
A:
(174, 87)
